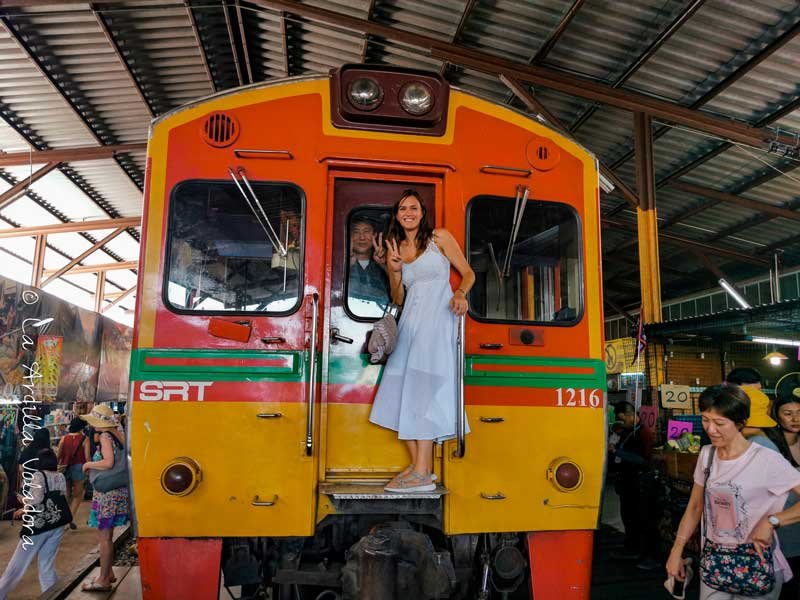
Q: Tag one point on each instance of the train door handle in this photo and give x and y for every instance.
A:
(257, 502)
(335, 337)
(269, 415)
(497, 496)
(492, 419)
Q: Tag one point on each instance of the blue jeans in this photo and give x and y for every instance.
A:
(45, 545)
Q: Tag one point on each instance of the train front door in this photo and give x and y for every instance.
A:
(357, 295)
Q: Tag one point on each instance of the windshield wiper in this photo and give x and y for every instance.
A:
(519, 209)
(262, 218)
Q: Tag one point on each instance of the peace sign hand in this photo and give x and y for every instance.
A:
(378, 251)
(394, 261)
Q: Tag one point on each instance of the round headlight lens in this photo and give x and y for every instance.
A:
(365, 93)
(180, 477)
(564, 474)
(416, 98)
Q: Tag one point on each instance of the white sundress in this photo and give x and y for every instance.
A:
(417, 394)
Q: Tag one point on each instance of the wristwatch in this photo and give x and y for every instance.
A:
(774, 521)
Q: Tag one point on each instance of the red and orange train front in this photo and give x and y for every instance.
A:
(251, 384)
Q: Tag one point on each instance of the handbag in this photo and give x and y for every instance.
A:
(734, 569)
(115, 477)
(55, 512)
(383, 337)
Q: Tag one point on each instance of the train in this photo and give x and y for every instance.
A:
(253, 462)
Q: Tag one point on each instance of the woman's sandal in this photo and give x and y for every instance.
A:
(414, 482)
(96, 587)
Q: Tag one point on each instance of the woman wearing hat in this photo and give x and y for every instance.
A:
(109, 509)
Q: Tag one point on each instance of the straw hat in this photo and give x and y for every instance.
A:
(759, 409)
(101, 416)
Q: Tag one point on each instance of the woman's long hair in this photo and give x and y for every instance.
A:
(776, 433)
(396, 231)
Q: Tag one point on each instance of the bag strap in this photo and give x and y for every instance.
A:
(46, 487)
(706, 475)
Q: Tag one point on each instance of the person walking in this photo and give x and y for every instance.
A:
(45, 511)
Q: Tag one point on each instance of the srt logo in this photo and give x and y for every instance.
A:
(172, 390)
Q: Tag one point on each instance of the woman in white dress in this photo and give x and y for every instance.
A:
(417, 394)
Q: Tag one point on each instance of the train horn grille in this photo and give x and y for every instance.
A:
(220, 129)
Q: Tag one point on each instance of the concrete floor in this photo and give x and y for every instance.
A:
(74, 546)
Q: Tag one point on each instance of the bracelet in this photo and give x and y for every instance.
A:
(462, 291)
(681, 537)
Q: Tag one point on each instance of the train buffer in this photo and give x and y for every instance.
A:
(371, 498)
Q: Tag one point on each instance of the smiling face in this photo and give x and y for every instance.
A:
(720, 429)
(789, 417)
(361, 239)
(409, 213)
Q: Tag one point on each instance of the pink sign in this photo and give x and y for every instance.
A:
(676, 428)
(648, 416)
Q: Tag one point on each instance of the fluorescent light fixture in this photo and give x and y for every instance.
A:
(774, 341)
(605, 184)
(631, 373)
(734, 294)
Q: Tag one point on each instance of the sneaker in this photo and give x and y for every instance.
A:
(625, 555)
(648, 564)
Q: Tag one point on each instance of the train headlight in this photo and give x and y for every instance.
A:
(365, 93)
(564, 474)
(181, 476)
(416, 98)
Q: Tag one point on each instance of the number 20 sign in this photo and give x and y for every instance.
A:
(675, 396)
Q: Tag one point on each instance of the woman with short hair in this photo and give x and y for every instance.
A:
(44, 527)
(740, 490)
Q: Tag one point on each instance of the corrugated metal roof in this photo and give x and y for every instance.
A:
(76, 76)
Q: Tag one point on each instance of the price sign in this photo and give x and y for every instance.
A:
(675, 396)
(648, 416)
(677, 428)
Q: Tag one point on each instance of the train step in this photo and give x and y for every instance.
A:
(371, 498)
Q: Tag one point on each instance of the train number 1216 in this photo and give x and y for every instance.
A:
(579, 397)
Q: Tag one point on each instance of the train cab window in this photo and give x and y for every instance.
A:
(527, 268)
(367, 282)
(231, 253)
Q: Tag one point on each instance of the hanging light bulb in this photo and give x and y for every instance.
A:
(776, 358)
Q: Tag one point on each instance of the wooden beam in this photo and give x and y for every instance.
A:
(119, 299)
(535, 106)
(285, 45)
(566, 83)
(114, 266)
(76, 154)
(99, 294)
(619, 310)
(13, 194)
(462, 23)
(71, 227)
(37, 265)
(232, 42)
(82, 256)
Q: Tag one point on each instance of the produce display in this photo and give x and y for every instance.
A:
(687, 442)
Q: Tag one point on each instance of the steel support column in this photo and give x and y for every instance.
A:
(37, 267)
(647, 219)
